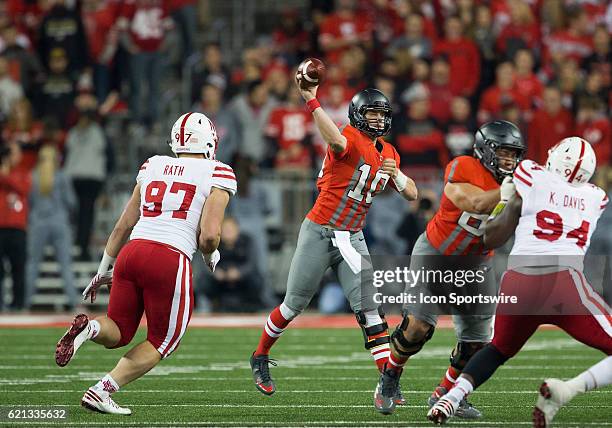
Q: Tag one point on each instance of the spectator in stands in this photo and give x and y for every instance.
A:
(62, 28)
(353, 67)
(249, 207)
(86, 166)
(276, 78)
(99, 20)
(252, 109)
(228, 128)
(10, 90)
(550, 124)
(601, 58)
(291, 42)
(416, 219)
(502, 92)
(413, 41)
(144, 24)
(59, 88)
(23, 130)
(440, 93)
(385, 22)
(569, 82)
(463, 57)
(526, 83)
(459, 131)
(51, 202)
(384, 218)
(336, 106)
(210, 70)
(185, 15)
(14, 189)
(28, 68)
(235, 284)
(289, 133)
(593, 125)
(594, 87)
(419, 140)
(483, 35)
(342, 30)
(522, 32)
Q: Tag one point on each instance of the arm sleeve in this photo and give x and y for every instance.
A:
(223, 178)
(523, 177)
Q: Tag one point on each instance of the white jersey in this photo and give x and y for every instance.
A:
(172, 195)
(557, 218)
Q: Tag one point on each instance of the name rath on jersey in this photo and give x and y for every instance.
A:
(174, 170)
(568, 201)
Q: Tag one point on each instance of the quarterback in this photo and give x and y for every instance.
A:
(358, 165)
(471, 191)
(177, 207)
(552, 236)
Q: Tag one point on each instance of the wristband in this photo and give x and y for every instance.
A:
(401, 181)
(106, 263)
(313, 104)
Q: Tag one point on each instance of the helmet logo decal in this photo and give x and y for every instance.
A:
(182, 136)
(577, 167)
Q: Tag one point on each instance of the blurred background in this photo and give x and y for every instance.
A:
(90, 89)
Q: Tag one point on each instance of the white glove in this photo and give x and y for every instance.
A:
(507, 189)
(91, 291)
(212, 259)
(103, 277)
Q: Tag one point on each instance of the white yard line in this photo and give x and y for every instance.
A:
(295, 391)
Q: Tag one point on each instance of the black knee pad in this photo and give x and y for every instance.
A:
(405, 347)
(463, 352)
(375, 335)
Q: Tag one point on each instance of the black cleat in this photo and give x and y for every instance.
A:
(261, 373)
(387, 391)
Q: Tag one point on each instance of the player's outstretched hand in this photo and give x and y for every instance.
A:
(389, 167)
(100, 279)
(309, 93)
(507, 189)
(212, 259)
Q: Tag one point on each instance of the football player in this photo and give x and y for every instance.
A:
(177, 207)
(358, 165)
(471, 191)
(553, 212)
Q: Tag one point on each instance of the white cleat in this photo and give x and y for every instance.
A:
(554, 394)
(101, 402)
(442, 411)
(72, 340)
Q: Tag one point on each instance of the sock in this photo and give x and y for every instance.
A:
(396, 363)
(595, 377)
(94, 329)
(461, 390)
(274, 327)
(381, 352)
(449, 378)
(108, 384)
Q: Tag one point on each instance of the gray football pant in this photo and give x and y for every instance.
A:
(468, 328)
(314, 253)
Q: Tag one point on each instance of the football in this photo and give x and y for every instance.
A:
(310, 73)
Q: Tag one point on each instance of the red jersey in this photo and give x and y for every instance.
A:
(289, 127)
(455, 232)
(148, 22)
(349, 181)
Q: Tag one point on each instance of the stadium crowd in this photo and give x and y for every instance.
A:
(67, 67)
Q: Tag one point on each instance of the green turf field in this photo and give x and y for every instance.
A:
(324, 377)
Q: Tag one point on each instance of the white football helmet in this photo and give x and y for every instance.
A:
(572, 158)
(194, 133)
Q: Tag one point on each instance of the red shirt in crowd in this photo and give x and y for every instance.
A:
(14, 189)
(545, 131)
(568, 45)
(597, 132)
(464, 61)
(98, 25)
(289, 127)
(529, 87)
(529, 34)
(337, 27)
(440, 97)
(492, 100)
(148, 22)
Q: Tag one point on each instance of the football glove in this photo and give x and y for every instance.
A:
(507, 189)
(103, 277)
(212, 259)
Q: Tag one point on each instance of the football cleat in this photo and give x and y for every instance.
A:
(261, 373)
(400, 400)
(100, 401)
(442, 411)
(554, 394)
(72, 340)
(387, 392)
(465, 410)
